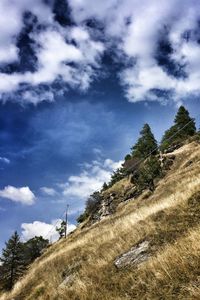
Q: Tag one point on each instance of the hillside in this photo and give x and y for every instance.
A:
(161, 229)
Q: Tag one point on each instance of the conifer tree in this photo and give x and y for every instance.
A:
(146, 143)
(183, 120)
(12, 260)
(184, 127)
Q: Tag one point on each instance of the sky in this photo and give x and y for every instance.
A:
(78, 79)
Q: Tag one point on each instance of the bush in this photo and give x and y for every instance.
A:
(93, 204)
(147, 173)
(82, 217)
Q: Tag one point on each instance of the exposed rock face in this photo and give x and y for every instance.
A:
(136, 255)
(108, 205)
(113, 199)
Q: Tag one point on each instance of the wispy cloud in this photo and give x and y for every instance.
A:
(5, 160)
(91, 179)
(48, 191)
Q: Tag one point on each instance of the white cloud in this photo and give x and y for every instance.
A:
(5, 160)
(11, 24)
(8, 53)
(138, 26)
(53, 48)
(54, 54)
(23, 195)
(73, 54)
(34, 97)
(90, 179)
(47, 231)
(48, 191)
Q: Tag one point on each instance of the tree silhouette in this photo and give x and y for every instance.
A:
(13, 264)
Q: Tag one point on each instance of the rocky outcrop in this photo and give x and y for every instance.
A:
(125, 190)
(134, 256)
(113, 199)
(108, 206)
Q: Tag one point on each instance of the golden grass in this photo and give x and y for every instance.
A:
(169, 219)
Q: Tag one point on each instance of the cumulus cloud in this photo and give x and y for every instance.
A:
(46, 230)
(23, 194)
(90, 179)
(48, 191)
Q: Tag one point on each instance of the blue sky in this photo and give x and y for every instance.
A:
(77, 83)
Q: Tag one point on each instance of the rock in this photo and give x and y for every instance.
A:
(105, 210)
(131, 194)
(67, 281)
(168, 162)
(69, 274)
(134, 256)
(189, 163)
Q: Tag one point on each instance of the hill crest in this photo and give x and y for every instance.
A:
(84, 265)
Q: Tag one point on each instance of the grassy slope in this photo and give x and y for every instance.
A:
(168, 219)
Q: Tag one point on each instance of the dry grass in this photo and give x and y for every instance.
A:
(169, 219)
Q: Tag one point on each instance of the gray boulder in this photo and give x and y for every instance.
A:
(134, 256)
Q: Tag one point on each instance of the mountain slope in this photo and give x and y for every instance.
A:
(161, 229)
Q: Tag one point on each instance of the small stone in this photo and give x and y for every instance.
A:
(67, 281)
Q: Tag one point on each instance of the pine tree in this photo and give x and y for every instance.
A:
(12, 260)
(184, 127)
(183, 120)
(169, 139)
(146, 144)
